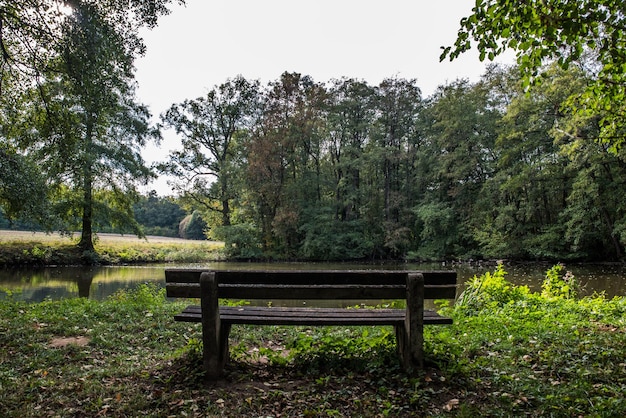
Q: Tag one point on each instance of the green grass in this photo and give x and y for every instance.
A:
(509, 353)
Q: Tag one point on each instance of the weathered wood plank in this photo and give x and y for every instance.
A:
(311, 292)
(212, 334)
(364, 277)
(346, 292)
(412, 349)
(182, 290)
(320, 316)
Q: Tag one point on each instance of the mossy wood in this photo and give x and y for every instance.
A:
(210, 286)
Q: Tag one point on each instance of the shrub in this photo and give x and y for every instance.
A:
(192, 227)
(240, 240)
(559, 286)
(490, 291)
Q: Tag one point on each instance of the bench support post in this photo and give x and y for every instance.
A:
(214, 335)
(410, 337)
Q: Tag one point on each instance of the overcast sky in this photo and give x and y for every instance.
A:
(206, 42)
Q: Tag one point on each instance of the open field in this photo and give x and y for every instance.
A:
(26, 236)
(38, 248)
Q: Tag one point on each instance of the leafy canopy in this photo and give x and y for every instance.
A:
(568, 32)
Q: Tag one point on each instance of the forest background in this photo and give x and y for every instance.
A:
(301, 169)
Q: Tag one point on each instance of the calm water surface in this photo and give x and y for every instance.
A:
(38, 284)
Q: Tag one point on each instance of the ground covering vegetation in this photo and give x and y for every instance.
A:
(510, 352)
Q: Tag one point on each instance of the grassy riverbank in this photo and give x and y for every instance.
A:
(509, 353)
(37, 248)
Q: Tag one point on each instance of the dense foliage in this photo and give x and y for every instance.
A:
(541, 31)
(158, 215)
(346, 170)
(342, 170)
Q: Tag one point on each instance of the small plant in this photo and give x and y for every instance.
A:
(41, 254)
(559, 286)
(147, 295)
(336, 347)
(490, 290)
(194, 346)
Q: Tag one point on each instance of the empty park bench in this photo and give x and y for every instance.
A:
(211, 285)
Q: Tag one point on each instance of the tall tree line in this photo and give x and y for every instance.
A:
(346, 170)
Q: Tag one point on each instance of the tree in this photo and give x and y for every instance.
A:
(458, 157)
(87, 131)
(561, 31)
(335, 227)
(284, 157)
(23, 191)
(531, 180)
(210, 128)
(399, 103)
(349, 121)
(192, 227)
(158, 215)
(61, 64)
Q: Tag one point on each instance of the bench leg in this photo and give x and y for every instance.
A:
(410, 336)
(214, 333)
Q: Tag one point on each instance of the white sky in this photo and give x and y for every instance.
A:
(206, 42)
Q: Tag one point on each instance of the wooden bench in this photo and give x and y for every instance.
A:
(210, 286)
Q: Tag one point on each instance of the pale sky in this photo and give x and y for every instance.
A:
(206, 42)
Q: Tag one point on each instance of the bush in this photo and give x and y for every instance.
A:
(559, 286)
(240, 241)
(490, 291)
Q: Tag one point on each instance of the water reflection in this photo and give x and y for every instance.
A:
(38, 284)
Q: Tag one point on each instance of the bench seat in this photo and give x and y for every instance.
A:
(259, 315)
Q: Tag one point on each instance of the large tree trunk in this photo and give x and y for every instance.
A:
(86, 238)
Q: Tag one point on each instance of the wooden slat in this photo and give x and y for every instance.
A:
(311, 276)
(309, 316)
(310, 284)
(311, 292)
(447, 291)
(192, 290)
(182, 290)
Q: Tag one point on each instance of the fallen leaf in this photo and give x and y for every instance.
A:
(451, 404)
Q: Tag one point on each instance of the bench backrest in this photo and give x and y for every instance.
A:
(310, 284)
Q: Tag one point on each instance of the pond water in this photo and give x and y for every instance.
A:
(38, 284)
